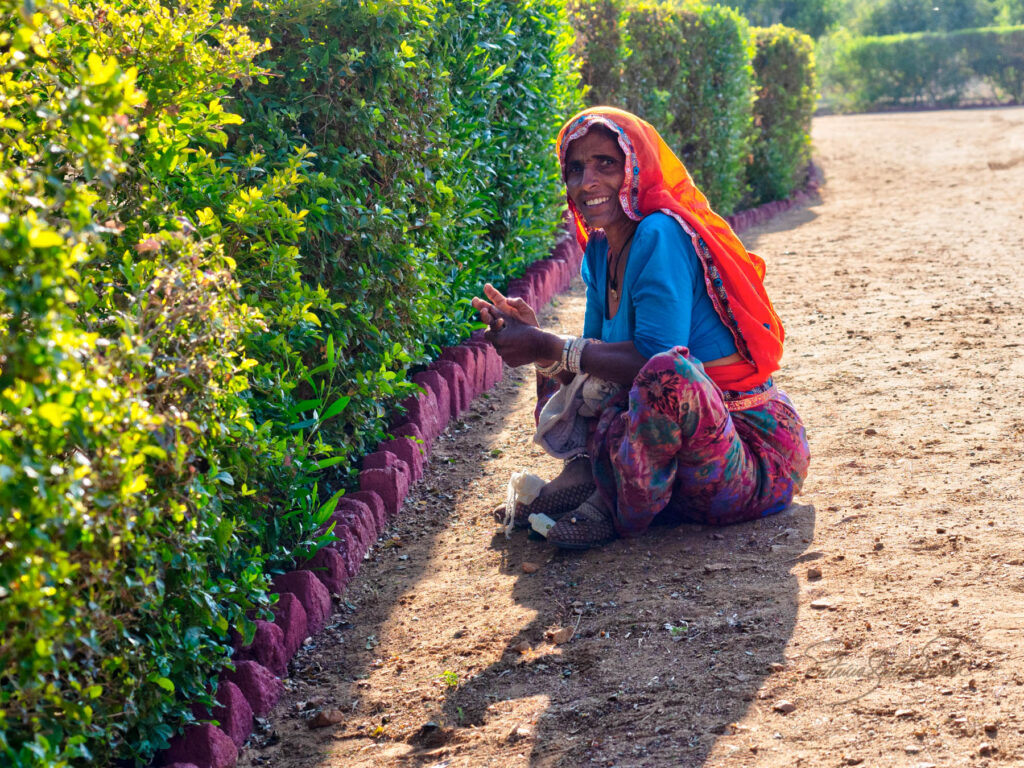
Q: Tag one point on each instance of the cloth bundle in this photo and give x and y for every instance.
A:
(562, 428)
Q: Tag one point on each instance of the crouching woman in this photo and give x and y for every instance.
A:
(665, 406)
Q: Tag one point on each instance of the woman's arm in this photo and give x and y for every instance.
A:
(619, 361)
(519, 344)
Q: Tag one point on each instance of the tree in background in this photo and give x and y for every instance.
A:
(1010, 12)
(880, 17)
(893, 17)
(813, 17)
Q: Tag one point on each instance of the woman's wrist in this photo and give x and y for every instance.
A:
(551, 361)
(550, 347)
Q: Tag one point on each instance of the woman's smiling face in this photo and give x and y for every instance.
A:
(594, 171)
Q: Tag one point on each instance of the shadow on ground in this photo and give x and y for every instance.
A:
(673, 634)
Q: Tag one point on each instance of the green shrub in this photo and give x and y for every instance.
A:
(201, 319)
(716, 125)
(926, 69)
(136, 533)
(429, 126)
(656, 70)
(687, 71)
(996, 57)
(786, 95)
(601, 44)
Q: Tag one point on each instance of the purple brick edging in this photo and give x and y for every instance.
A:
(304, 606)
(744, 220)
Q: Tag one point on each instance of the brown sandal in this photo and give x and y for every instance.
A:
(554, 505)
(589, 525)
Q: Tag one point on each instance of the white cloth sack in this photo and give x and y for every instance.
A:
(562, 427)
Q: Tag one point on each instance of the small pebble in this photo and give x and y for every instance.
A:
(904, 713)
(991, 727)
(912, 749)
(821, 605)
(813, 573)
(326, 717)
(530, 567)
(559, 636)
(783, 706)
(776, 666)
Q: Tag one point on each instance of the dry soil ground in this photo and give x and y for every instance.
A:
(884, 610)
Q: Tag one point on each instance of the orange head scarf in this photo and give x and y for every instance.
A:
(656, 180)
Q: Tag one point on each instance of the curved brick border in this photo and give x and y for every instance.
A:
(304, 606)
(744, 220)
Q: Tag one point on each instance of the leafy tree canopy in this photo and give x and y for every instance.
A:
(814, 17)
(881, 17)
(893, 17)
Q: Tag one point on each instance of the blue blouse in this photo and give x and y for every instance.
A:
(664, 301)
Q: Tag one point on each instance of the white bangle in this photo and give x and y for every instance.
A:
(572, 357)
(550, 370)
(575, 355)
(559, 365)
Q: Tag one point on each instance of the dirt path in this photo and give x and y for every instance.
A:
(886, 607)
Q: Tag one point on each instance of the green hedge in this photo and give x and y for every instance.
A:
(716, 125)
(429, 127)
(654, 76)
(601, 45)
(926, 69)
(786, 96)
(132, 539)
(204, 322)
(689, 69)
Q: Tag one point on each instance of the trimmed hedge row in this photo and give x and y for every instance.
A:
(785, 103)
(205, 323)
(729, 99)
(134, 538)
(428, 130)
(926, 69)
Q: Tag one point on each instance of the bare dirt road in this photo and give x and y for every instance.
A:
(877, 622)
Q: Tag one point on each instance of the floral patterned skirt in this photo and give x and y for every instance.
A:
(670, 448)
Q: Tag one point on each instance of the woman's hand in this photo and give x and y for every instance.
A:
(514, 330)
(518, 342)
(516, 308)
